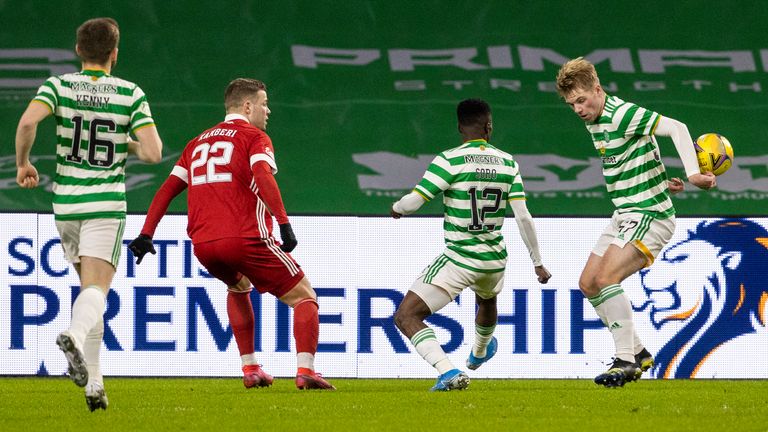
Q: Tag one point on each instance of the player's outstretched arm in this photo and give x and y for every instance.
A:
(149, 147)
(407, 205)
(26, 173)
(169, 190)
(528, 234)
(678, 131)
(424, 191)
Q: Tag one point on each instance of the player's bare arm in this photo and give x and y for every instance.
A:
(26, 173)
(149, 147)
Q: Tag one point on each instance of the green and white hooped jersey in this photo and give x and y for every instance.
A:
(94, 113)
(634, 175)
(477, 180)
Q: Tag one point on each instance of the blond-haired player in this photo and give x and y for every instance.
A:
(637, 183)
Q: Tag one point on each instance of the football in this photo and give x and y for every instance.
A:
(714, 152)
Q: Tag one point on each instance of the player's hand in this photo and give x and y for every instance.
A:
(140, 246)
(704, 181)
(133, 146)
(26, 176)
(394, 214)
(288, 238)
(675, 185)
(542, 273)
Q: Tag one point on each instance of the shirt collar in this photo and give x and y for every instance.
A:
(231, 117)
(94, 72)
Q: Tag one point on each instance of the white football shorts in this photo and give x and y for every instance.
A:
(97, 238)
(444, 277)
(646, 233)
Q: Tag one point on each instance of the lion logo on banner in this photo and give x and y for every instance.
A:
(712, 287)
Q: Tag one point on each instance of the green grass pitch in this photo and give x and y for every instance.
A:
(182, 404)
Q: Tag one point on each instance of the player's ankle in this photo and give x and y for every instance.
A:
(304, 371)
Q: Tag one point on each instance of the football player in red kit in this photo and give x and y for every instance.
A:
(232, 195)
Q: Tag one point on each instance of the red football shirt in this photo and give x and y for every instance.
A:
(222, 197)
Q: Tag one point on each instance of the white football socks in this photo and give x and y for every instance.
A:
(483, 336)
(86, 312)
(429, 348)
(614, 308)
(601, 314)
(92, 351)
(248, 359)
(305, 360)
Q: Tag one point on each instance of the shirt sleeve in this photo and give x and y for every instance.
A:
(437, 178)
(409, 203)
(48, 94)
(678, 131)
(516, 190)
(636, 121)
(266, 188)
(181, 169)
(172, 187)
(527, 230)
(141, 115)
(262, 150)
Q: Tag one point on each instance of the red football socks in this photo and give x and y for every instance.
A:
(306, 326)
(241, 319)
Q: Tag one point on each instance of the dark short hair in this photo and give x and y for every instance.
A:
(240, 89)
(96, 38)
(472, 112)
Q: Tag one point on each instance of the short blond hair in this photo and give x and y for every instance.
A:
(576, 74)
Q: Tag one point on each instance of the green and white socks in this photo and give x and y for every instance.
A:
(615, 310)
(429, 348)
(483, 336)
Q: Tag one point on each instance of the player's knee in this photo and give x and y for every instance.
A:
(401, 318)
(485, 301)
(601, 281)
(304, 290)
(301, 295)
(243, 286)
(589, 287)
(308, 301)
(405, 316)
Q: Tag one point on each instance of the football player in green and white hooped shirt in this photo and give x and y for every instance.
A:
(623, 135)
(94, 114)
(477, 180)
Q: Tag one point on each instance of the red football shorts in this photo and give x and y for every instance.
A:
(269, 269)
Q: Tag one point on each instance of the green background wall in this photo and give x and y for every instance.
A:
(349, 142)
